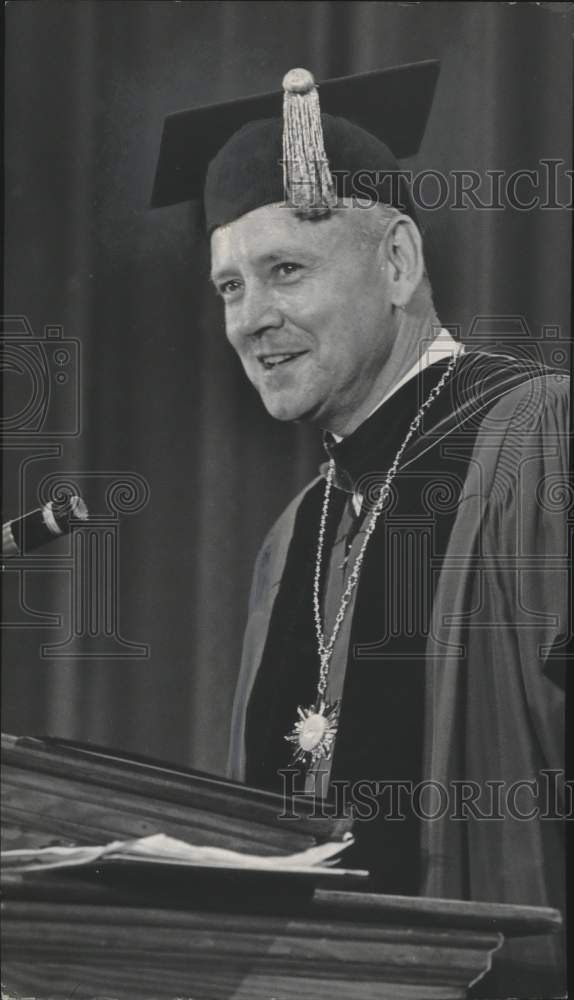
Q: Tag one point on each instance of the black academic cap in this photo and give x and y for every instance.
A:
(237, 145)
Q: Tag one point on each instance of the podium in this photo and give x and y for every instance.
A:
(173, 936)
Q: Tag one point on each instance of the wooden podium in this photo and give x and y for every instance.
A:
(335, 945)
(173, 936)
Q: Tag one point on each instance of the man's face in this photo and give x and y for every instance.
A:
(307, 310)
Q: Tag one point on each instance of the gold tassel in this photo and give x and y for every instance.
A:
(307, 180)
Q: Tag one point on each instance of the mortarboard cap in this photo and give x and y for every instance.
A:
(234, 154)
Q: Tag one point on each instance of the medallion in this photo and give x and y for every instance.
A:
(314, 732)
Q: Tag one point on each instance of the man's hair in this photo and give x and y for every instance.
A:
(372, 219)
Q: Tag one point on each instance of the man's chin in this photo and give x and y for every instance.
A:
(288, 410)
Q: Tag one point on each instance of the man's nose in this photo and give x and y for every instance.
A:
(256, 314)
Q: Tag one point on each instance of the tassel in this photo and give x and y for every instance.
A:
(307, 180)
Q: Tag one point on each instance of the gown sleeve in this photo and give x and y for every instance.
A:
(253, 639)
(526, 553)
(266, 580)
(495, 717)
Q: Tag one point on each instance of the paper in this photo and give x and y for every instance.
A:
(163, 849)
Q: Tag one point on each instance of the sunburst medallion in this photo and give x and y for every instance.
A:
(314, 733)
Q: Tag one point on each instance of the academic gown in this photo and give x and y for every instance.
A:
(454, 671)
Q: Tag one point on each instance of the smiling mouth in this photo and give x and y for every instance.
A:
(270, 361)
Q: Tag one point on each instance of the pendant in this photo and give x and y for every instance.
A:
(314, 732)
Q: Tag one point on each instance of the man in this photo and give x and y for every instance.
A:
(409, 608)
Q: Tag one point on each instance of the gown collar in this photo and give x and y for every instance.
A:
(372, 447)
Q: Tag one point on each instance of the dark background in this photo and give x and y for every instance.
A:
(162, 395)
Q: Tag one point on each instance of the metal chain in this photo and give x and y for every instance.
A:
(326, 648)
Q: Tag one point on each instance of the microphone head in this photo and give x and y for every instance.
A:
(32, 531)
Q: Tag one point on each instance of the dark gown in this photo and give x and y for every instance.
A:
(453, 655)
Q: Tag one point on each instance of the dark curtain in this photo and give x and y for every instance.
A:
(163, 407)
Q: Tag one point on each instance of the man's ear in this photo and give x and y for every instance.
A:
(403, 252)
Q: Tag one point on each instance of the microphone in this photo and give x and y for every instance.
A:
(31, 531)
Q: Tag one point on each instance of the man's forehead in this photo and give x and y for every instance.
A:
(270, 230)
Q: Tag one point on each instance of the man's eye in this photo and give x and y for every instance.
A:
(287, 269)
(227, 288)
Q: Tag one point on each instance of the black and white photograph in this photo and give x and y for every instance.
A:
(287, 513)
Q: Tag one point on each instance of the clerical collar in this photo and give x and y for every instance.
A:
(368, 440)
(443, 346)
(372, 446)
